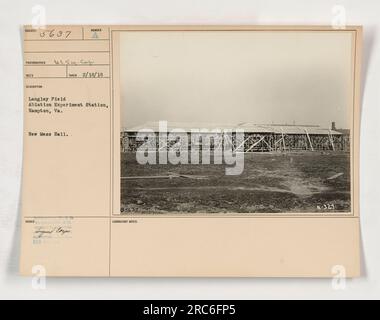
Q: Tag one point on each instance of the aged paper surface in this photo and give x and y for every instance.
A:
(113, 184)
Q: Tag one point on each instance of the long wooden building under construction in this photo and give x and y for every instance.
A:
(257, 137)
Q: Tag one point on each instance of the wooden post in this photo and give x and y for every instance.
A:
(331, 140)
(308, 137)
(283, 139)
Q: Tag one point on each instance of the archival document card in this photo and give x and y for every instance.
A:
(213, 151)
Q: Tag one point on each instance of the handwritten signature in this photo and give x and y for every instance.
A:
(46, 232)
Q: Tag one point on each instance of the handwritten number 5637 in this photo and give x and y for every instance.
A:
(55, 34)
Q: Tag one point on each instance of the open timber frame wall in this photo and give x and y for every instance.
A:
(253, 142)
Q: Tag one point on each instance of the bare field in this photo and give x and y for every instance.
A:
(270, 183)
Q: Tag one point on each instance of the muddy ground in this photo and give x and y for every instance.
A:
(270, 183)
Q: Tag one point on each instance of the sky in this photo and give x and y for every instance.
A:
(262, 77)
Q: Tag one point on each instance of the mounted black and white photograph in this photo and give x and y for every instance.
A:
(236, 122)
